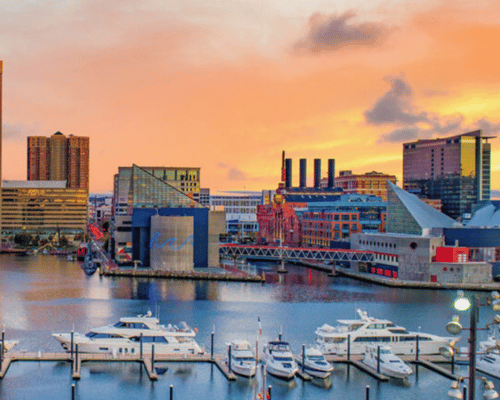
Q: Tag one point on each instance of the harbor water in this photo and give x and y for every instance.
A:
(42, 294)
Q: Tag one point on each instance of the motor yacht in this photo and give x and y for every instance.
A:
(124, 337)
(278, 360)
(313, 362)
(381, 359)
(366, 330)
(489, 359)
(242, 358)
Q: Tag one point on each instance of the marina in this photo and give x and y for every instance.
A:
(56, 296)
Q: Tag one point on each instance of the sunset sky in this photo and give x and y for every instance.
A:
(226, 85)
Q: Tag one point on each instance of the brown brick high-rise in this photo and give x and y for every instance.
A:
(59, 158)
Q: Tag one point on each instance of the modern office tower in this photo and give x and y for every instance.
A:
(59, 158)
(455, 170)
(43, 208)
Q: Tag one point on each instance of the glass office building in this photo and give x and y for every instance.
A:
(455, 170)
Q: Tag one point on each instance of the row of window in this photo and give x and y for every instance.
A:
(378, 244)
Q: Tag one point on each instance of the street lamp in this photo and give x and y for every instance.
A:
(489, 390)
(454, 327)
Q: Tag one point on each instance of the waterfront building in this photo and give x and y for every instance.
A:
(43, 208)
(407, 214)
(324, 223)
(455, 169)
(203, 197)
(414, 245)
(184, 179)
(416, 258)
(160, 226)
(371, 183)
(59, 158)
(241, 211)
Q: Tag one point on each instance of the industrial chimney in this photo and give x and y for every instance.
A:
(331, 173)
(288, 173)
(317, 172)
(303, 173)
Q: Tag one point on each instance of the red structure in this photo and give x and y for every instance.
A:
(452, 254)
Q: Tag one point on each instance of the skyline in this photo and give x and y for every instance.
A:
(227, 86)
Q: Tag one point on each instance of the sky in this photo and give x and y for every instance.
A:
(227, 85)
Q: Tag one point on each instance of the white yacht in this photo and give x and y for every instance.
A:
(366, 330)
(314, 363)
(242, 358)
(278, 360)
(124, 337)
(489, 359)
(388, 364)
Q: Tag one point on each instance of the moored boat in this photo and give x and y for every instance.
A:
(313, 362)
(488, 361)
(242, 358)
(125, 337)
(367, 330)
(278, 360)
(382, 360)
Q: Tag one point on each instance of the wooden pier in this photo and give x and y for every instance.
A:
(429, 361)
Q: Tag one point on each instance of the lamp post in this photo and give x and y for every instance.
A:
(462, 303)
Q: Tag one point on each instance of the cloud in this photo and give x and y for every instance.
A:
(233, 173)
(19, 132)
(332, 32)
(397, 107)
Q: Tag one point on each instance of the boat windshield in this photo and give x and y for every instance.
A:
(316, 358)
(130, 325)
(289, 359)
(248, 358)
(385, 351)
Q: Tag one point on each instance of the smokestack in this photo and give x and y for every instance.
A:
(283, 170)
(331, 173)
(288, 173)
(303, 173)
(317, 172)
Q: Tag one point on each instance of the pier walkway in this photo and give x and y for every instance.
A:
(428, 361)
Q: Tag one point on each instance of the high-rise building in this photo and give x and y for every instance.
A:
(59, 158)
(455, 170)
(1, 177)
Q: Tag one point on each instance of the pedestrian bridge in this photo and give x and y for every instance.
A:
(294, 253)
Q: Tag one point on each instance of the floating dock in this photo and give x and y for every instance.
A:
(428, 361)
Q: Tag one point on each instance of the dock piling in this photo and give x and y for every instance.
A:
(378, 359)
(367, 392)
(269, 392)
(303, 357)
(212, 345)
(152, 357)
(171, 392)
(72, 342)
(3, 341)
(229, 359)
(348, 347)
(140, 346)
(73, 390)
(417, 351)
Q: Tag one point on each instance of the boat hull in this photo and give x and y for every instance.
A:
(124, 346)
(316, 372)
(285, 374)
(245, 371)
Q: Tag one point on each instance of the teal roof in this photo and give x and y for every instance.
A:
(426, 216)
